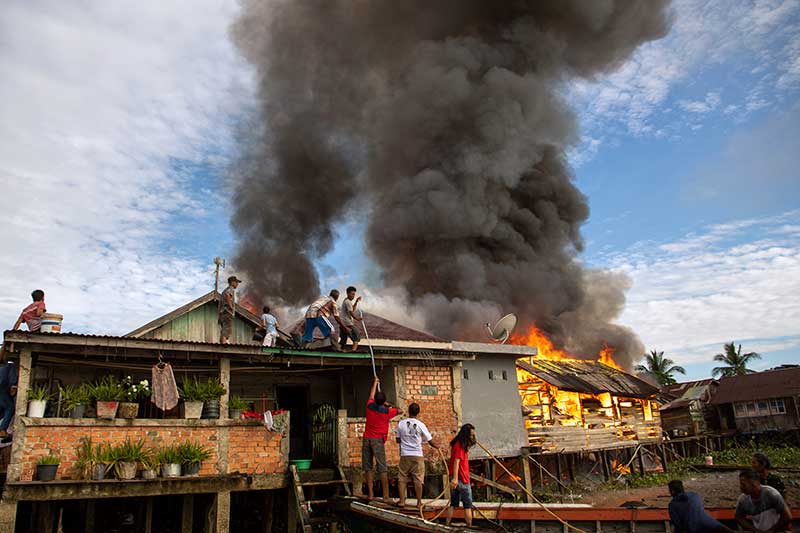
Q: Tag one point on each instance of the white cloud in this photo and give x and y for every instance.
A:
(97, 104)
(732, 281)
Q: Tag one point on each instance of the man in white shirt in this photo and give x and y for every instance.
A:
(411, 434)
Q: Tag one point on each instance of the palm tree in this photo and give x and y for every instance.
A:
(735, 361)
(661, 367)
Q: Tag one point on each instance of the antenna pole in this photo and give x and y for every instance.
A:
(218, 261)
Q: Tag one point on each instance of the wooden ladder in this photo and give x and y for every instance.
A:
(303, 504)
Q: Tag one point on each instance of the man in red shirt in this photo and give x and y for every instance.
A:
(373, 445)
(460, 489)
(32, 315)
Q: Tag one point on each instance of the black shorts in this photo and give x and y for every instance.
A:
(353, 335)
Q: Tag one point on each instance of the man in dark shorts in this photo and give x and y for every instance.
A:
(227, 310)
(349, 319)
(374, 443)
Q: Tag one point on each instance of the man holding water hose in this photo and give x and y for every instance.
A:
(376, 430)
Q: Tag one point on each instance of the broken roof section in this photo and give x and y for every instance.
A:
(777, 383)
(683, 394)
(590, 377)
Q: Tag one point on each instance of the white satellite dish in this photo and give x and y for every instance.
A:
(502, 330)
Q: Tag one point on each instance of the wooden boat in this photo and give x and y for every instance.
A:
(365, 518)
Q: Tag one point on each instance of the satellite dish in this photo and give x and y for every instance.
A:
(502, 330)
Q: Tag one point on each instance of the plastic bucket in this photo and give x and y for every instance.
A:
(46, 472)
(709, 460)
(51, 323)
(302, 464)
(210, 409)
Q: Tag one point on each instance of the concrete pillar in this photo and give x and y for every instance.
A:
(8, 515)
(14, 471)
(223, 512)
(342, 444)
(187, 515)
(225, 380)
(456, 373)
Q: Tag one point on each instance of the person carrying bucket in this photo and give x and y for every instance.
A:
(32, 315)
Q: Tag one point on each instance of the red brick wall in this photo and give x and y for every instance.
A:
(251, 449)
(436, 411)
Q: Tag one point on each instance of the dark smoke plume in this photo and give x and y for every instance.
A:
(443, 121)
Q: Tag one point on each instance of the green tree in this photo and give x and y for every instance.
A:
(735, 361)
(661, 367)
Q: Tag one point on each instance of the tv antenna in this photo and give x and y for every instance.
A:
(219, 262)
(503, 328)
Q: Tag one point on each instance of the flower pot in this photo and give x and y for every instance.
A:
(211, 409)
(99, 472)
(234, 414)
(36, 408)
(126, 470)
(190, 469)
(149, 473)
(192, 409)
(107, 409)
(128, 410)
(46, 472)
(78, 411)
(171, 470)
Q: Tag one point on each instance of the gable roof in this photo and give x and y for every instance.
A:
(677, 390)
(777, 383)
(212, 296)
(587, 376)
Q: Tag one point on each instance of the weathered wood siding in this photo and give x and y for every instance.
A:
(200, 325)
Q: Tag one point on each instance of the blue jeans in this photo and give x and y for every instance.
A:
(463, 494)
(319, 322)
(7, 407)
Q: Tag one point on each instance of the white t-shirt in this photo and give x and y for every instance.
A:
(411, 433)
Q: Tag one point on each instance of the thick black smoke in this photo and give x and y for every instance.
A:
(443, 123)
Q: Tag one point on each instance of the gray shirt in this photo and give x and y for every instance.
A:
(224, 306)
(766, 511)
(347, 311)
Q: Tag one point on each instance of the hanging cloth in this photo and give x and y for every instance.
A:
(165, 390)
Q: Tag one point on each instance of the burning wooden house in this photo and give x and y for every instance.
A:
(574, 405)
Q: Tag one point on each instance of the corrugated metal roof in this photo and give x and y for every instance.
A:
(587, 376)
(758, 386)
(381, 328)
(677, 390)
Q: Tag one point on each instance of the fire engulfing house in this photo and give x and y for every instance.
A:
(689, 411)
(760, 402)
(575, 405)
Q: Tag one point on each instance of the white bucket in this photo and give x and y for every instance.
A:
(709, 460)
(51, 323)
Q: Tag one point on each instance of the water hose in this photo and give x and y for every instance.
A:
(371, 353)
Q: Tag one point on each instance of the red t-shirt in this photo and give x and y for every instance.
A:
(457, 452)
(29, 315)
(378, 417)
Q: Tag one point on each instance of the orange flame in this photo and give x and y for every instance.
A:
(535, 337)
(248, 303)
(606, 357)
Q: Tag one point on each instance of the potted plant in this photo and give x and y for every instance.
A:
(104, 458)
(191, 455)
(46, 467)
(74, 399)
(235, 407)
(107, 393)
(149, 464)
(126, 458)
(86, 459)
(212, 391)
(170, 461)
(192, 392)
(132, 392)
(37, 401)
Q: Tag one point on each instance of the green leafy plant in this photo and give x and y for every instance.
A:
(134, 391)
(75, 395)
(40, 393)
(192, 452)
(167, 455)
(48, 460)
(87, 457)
(127, 452)
(192, 390)
(237, 403)
(148, 459)
(323, 414)
(108, 389)
(212, 389)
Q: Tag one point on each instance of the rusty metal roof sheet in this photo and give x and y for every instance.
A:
(777, 383)
(587, 376)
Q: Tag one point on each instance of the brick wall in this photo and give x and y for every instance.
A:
(248, 447)
(432, 389)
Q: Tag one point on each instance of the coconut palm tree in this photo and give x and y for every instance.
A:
(661, 367)
(735, 361)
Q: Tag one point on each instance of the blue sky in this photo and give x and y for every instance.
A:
(120, 121)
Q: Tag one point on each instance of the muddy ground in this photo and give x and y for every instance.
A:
(719, 489)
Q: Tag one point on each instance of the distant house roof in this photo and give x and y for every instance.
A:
(683, 394)
(212, 296)
(588, 376)
(676, 390)
(758, 386)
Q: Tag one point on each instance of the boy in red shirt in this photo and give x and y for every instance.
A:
(460, 489)
(32, 315)
(373, 446)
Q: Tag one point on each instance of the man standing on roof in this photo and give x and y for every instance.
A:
(32, 315)
(349, 318)
(373, 446)
(227, 309)
(317, 317)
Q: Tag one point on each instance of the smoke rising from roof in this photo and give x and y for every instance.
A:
(445, 121)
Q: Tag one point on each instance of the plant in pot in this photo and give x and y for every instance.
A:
(191, 455)
(74, 399)
(192, 392)
(46, 467)
(235, 407)
(37, 401)
(126, 458)
(132, 392)
(87, 460)
(170, 461)
(107, 393)
(212, 392)
(149, 464)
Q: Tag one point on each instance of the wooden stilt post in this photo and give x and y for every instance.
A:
(571, 467)
(187, 514)
(269, 503)
(640, 458)
(526, 474)
(558, 472)
(148, 516)
(604, 461)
